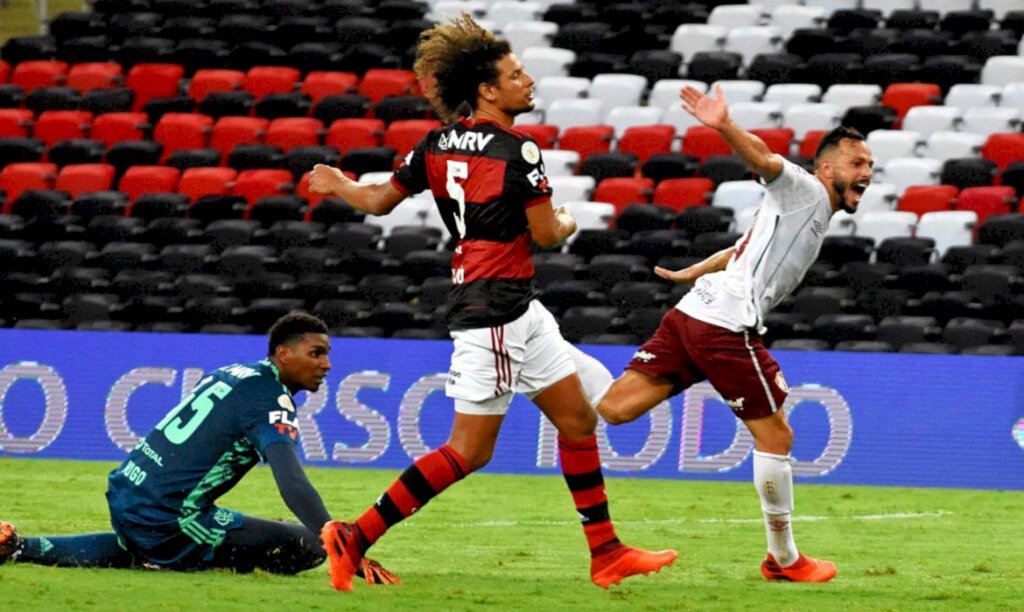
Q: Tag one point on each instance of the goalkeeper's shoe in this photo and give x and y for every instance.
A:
(805, 569)
(621, 562)
(341, 542)
(374, 573)
(10, 542)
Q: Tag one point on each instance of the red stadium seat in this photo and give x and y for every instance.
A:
(139, 180)
(229, 132)
(5, 71)
(150, 81)
(903, 96)
(320, 84)
(587, 140)
(778, 140)
(263, 80)
(95, 75)
(199, 182)
(39, 73)
(647, 140)
(1004, 148)
(683, 193)
(255, 184)
(208, 80)
(921, 199)
(379, 83)
(112, 128)
(703, 142)
(290, 132)
(403, 135)
(346, 134)
(545, 135)
(16, 122)
(77, 179)
(18, 177)
(809, 145)
(987, 201)
(52, 126)
(624, 191)
(182, 131)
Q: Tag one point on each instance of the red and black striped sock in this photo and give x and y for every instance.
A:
(418, 484)
(581, 466)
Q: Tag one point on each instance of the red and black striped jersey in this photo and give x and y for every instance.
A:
(483, 178)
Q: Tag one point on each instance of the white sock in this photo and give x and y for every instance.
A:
(773, 478)
(595, 377)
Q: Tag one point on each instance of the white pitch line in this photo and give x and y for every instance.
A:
(895, 516)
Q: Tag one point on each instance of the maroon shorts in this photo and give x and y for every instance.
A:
(687, 351)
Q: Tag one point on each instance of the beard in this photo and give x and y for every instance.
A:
(525, 108)
(841, 190)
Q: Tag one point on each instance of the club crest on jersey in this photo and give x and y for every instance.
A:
(780, 382)
(530, 152)
(286, 402)
(468, 141)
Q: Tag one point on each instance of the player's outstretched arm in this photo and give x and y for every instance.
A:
(716, 262)
(298, 493)
(714, 113)
(549, 226)
(370, 199)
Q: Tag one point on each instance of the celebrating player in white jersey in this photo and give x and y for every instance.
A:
(713, 333)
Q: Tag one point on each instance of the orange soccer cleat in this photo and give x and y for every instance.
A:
(343, 554)
(805, 569)
(623, 561)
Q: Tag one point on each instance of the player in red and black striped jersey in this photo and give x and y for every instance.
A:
(489, 184)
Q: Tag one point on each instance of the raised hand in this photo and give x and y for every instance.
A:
(325, 179)
(712, 112)
(686, 275)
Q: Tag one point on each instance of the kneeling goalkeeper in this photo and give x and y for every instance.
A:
(162, 497)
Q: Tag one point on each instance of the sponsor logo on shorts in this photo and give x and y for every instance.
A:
(736, 404)
(644, 356)
(223, 517)
(780, 382)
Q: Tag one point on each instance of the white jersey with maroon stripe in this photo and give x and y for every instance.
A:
(771, 258)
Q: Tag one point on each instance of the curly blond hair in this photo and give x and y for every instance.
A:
(452, 60)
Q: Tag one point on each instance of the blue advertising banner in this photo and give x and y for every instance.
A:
(880, 419)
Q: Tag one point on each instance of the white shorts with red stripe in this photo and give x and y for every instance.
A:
(489, 364)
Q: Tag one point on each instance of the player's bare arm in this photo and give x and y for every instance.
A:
(374, 200)
(550, 226)
(716, 262)
(714, 113)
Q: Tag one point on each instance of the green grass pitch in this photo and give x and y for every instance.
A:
(497, 542)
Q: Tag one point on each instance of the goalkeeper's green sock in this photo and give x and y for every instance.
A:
(93, 550)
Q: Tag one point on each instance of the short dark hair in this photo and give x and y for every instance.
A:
(831, 140)
(455, 58)
(291, 327)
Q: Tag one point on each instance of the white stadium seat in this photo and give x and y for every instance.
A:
(968, 95)
(547, 61)
(738, 195)
(948, 228)
(524, 34)
(692, 38)
(739, 90)
(591, 215)
(904, 172)
(878, 196)
(505, 12)
(926, 120)
(624, 117)
(999, 7)
(790, 17)
(569, 188)
(802, 118)
(944, 6)
(986, 121)
(617, 89)
(560, 162)
(1012, 95)
(413, 211)
(831, 6)
(890, 144)
(953, 145)
(679, 118)
(841, 224)
(443, 11)
(888, 6)
(881, 224)
(755, 115)
(551, 88)
(844, 96)
(665, 93)
(574, 113)
(735, 15)
(750, 41)
(788, 94)
(1003, 69)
